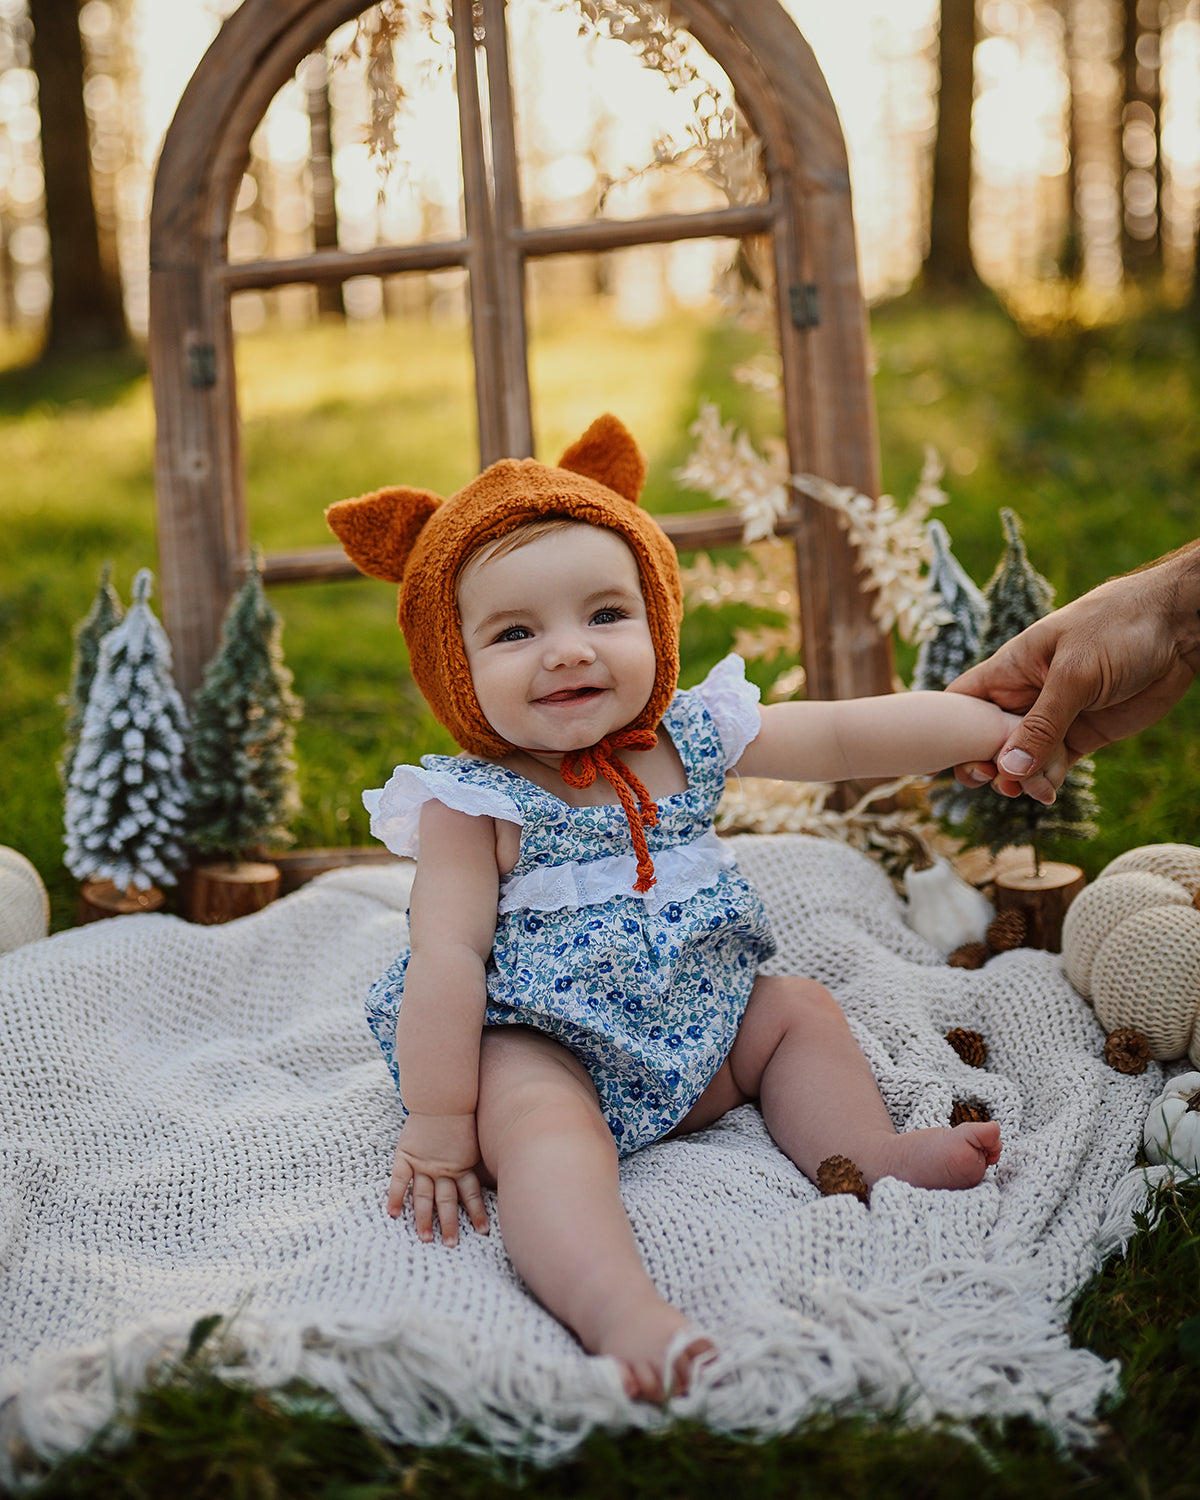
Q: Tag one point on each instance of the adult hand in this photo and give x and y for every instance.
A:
(1100, 669)
(436, 1157)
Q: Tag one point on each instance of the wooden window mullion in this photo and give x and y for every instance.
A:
(509, 257)
(480, 259)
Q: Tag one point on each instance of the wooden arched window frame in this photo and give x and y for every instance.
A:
(828, 411)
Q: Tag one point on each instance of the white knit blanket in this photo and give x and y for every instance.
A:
(197, 1121)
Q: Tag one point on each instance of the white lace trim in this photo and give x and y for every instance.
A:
(396, 808)
(679, 873)
(733, 704)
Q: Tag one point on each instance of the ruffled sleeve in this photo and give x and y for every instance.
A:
(732, 703)
(395, 809)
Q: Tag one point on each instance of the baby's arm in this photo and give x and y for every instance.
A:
(896, 734)
(452, 921)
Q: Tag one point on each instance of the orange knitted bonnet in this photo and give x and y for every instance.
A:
(419, 540)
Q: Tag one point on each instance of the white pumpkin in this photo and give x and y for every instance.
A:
(1131, 945)
(24, 904)
(1172, 1130)
(1147, 975)
(1179, 862)
(1101, 907)
(943, 908)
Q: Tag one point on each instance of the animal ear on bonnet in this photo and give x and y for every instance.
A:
(378, 531)
(607, 453)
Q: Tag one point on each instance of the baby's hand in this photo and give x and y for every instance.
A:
(436, 1156)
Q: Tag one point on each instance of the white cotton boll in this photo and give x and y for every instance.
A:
(943, 908)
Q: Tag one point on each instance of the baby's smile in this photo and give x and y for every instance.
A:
(570, 695)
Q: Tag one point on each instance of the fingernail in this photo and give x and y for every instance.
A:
(977, 778)
(1016, 762)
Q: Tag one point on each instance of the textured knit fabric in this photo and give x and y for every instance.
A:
(648, 990)
(416, 539)
(1131, 945)
(195, 1121)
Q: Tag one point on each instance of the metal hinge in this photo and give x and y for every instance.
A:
(806, 309)
(202, 365)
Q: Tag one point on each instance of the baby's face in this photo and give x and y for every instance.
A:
(557, 640)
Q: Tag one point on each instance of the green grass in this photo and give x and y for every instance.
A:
(1091, 434)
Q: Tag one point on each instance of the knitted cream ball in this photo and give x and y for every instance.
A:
(24, 905)
(1131, 945)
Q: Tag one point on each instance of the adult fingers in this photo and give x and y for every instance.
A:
(975, 773)
(1039, 737)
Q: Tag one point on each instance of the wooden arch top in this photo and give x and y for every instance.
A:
(827, 401)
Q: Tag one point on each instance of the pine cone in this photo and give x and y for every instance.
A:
(838, 1174)
(1127, 1050)
(969, 1045)
(969, 1111)
(969, 956)
(1006, 931)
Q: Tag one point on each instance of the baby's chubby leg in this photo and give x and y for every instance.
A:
(545, 1142)
(796, 1055)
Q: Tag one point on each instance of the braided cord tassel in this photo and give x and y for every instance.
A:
(579, 768)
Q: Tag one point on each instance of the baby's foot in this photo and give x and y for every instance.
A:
(939, 1158)
(640, 1338)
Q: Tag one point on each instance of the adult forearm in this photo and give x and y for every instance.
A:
(438, 1031)
(1180, 575)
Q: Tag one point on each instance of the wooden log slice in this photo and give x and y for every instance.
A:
(299, 866)
(1042, 898)
(224, 891)
(101, 898)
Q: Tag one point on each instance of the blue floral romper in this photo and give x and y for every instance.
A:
(647, 990)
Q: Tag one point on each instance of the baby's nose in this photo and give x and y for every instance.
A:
(568, 648)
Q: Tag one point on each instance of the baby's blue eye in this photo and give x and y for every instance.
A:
(514, 633)
(608, 616)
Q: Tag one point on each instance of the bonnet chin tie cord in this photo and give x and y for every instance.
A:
(579, 768)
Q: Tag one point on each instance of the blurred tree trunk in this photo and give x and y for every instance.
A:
(1194, 299)
(949, 265)
(1141, 140)
(1070, 254)
(330, 302)
(86, 312)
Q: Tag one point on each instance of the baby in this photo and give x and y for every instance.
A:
(583, 976)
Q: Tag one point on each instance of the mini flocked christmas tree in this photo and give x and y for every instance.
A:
(106, 611)
(950, 650)
(243, 790)
(126, 791)
(1016, 596)
(954, 645)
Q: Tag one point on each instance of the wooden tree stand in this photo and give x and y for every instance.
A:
(223, 891)
(101, 898)
(1041, 897)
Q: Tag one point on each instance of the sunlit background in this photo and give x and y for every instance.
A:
(1048, 127)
